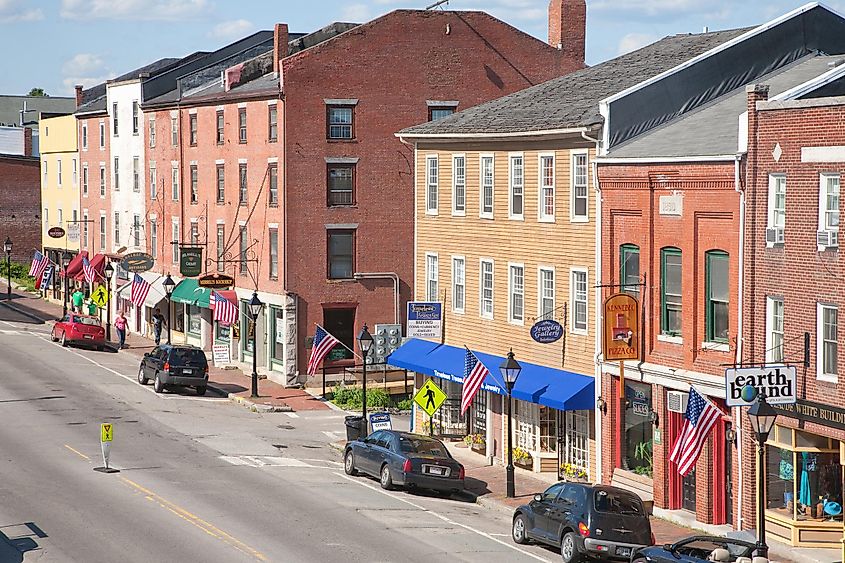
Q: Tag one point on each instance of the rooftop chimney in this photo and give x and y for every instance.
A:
(280, 44)
(568, 27)
(78, 88)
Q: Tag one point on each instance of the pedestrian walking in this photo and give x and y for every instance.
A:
(120, 326)
(92, 308)
(158, 322)
(78, 297)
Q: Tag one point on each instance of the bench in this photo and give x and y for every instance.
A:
(640, 485)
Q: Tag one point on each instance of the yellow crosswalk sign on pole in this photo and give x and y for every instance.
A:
(106, 432)
(100, 296)
(430, 397)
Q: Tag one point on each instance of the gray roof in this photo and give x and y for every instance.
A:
(573, 100)
(267, 84)
(10, 107)
(716, 124)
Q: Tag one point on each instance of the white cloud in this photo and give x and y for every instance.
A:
(17, 11)
(87, 69)
(634, 41)
(171, 10)
(356, 13)
(232, 29)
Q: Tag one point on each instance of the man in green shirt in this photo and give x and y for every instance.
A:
(78, 297)
(92, 308)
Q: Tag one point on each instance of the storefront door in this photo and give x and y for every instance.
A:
(688, 488)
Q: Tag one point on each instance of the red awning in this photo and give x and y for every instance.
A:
(229, 295)
(98, 262)
(75, 265)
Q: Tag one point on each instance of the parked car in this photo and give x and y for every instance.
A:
(404, 459)
(585, 521)
(696, 549)
(79, 329)
(175, 365)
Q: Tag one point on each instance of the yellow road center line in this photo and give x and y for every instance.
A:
(207, 527)
(77, 452)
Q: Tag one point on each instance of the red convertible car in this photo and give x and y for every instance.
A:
(79, 329)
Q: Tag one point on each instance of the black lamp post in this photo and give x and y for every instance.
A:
(169, 286)
(762, 417)
(7, 246)
(365, 342)
(108, 272)
(255, 305)
(510, 369)
(65, 262)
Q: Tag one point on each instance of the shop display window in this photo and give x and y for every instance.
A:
(638, 428)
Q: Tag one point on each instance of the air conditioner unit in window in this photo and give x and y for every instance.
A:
(827, 239)
(676, 401)
(774, 235)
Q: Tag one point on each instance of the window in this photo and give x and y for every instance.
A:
(272, 123)
(273, 181)
(487, 186)
(74, 176)
(777, 200)
(136, 174)
(242, 125)
(45, 173)
(136, 229)
(517, 186)
(431, 184)
(221, 184)
(459, 185)
(192, 121)
(547, 188)
(341, 254)
(546, 299)
(341, 121)
(516, 291)
(46, 219)
(220, 127)
(670, 291)
(718, 296)
(85, 136)
(103, 228)
(431, 277)
(114, 117)
(61, 218)
(153, 239)
(629, 269)
(152, 126)
(774, 329)
(174, 131)
(194, 184)
(439, 112)
(195, 232)
(194, 320)
(827, 339)
(135, 124)
(116, 228)
(576, 448)
(174, 237)
(221, 247)
(486, 293)
(102, 135)
(242, 193)
(579, 300)
(829, 202)
(274, 254)
(85, 229)
(85, 180)
(117, 174)
(102, 181)
(59, 172)
(579, 187)
(174, 182)
(153, 187)
(458, 284)
(242, 251)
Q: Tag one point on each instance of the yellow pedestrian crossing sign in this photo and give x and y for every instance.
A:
(430, 397)
(106, 432)
(100, 296)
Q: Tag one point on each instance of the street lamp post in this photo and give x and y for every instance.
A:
(108, 272)
(365, 342)
(7, 246)
(510, 369)
(169, 286)
(762, 417)
(65, 262)
(255, 306)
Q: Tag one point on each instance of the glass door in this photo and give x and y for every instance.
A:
(688, 487)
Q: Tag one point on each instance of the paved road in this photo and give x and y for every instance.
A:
(201, 479)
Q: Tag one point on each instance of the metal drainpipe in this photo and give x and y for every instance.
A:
(384, 275)
(740, 299)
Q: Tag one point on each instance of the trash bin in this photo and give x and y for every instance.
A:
(355, 427)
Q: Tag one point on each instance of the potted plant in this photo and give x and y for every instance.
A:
(523, 458)
(573, 473)
(476, 442)
(643, 451)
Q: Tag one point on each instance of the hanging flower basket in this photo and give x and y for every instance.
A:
(573, 473)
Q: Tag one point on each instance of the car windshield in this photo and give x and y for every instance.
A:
(187, 357)
(617, 502)
(88, 321)
(422, 446)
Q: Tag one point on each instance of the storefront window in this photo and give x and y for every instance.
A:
(278, 348)
(447, 420)
(248, 330)
(526, 416)
(222, 332)
(638, 428)
(194, 319)
(340, 323)
(577, 439)
(548, 429)
(479, 413)
(179, 318)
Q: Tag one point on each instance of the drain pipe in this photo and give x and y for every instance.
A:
(380, 276)
(740, 298)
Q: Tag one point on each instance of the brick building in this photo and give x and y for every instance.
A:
(20, 204)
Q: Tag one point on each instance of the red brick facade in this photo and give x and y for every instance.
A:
(91, 202)
(20, 205)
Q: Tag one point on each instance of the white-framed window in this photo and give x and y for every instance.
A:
(576, 448)
(431, 183)
(431, 276)
(777, 200)
(774, 329)
(59, 172)
(85, 180)
(152, 126)
(578, 299)
(485, 273)
(174, 181)
(102, 180)
(136, 229)
(135, 117)
(102, 135)
(116, 182)
(174, 132)
(516, 293)
(103, 230)
(85, 228)
(114, 117)
(580, 175)
(136, 174)
(546, 178)
(154, 238)
(174, 237)
(153, 180)
(116, 228)
(45, 174)
(546, 292)
(74, 172)
(829, 202)
(459, 184)
(46, 219)
(85, 136)
(458, 284)
(516, 186)
(486, 191)
(61, 217)
(827, 343)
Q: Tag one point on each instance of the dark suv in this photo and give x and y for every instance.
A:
(592, 521)
(180, 365)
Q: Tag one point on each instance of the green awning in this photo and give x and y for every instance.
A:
(189, 292)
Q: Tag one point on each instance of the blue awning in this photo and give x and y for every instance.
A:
(555, 388)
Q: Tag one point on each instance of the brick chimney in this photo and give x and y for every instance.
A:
(78, 88)
(280, 44)
(568, 27)
(27, 141)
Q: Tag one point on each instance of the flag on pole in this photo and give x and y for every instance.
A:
(139, 290)
(46, 277)
(37, 260)
(225, 312)
(699, 420)
(323, 344)
(88, 270)
(474, 374)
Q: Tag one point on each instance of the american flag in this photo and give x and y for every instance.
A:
(88, 270)
(46, 277)
(474, 374)
(39, 263)
(700, 418)
(139, 290)
(323, 344)
(225, 312)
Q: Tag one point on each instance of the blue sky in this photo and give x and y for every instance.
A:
(55, 44)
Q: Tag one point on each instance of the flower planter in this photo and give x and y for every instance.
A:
(480, 448)
(524, 463)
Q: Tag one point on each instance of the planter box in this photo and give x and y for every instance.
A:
(525, 464)
(480, 448)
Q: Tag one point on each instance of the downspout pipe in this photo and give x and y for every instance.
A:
(380, 276)
(597, 372)
(739, 321)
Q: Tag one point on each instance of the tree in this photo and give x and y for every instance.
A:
(38, 92)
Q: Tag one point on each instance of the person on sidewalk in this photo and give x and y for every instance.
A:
(158, 322)
(120, 326)
(78, 297)
(92, 308)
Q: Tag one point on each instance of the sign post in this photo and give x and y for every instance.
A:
(430, 398)
(106, 435)
(621, 342)
(380, 421)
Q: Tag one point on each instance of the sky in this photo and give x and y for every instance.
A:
(54, 44)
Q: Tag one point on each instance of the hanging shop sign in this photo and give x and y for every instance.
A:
(216, 281)
(810, 411)
(621, 328)
(56, 232)
(73, 232)
(425, 320)
(546, 331)
(190, 261)
(779, 383)
(137, 262)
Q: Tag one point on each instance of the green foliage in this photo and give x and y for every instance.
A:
(351, 398)
(39, 92)
(644, 451)
(404, 404)
(20, 274)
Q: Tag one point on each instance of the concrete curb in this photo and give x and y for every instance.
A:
(27, 314)
(257, 407)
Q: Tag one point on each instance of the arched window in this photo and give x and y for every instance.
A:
(717, 295)
(671, 291)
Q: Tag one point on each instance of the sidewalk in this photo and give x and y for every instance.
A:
(233, 383)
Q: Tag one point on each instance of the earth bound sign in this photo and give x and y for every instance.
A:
(56, 232)
(546, 331)
(137, 262)
(779, 383)
(216, 281)
(190, 262)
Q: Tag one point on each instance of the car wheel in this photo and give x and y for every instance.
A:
(53, 336)
(64, 339)
(142, 379)
(568, 549)
(518, 530)
(201, 390)
(349, 464)
(386, 479)
(158, 386)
